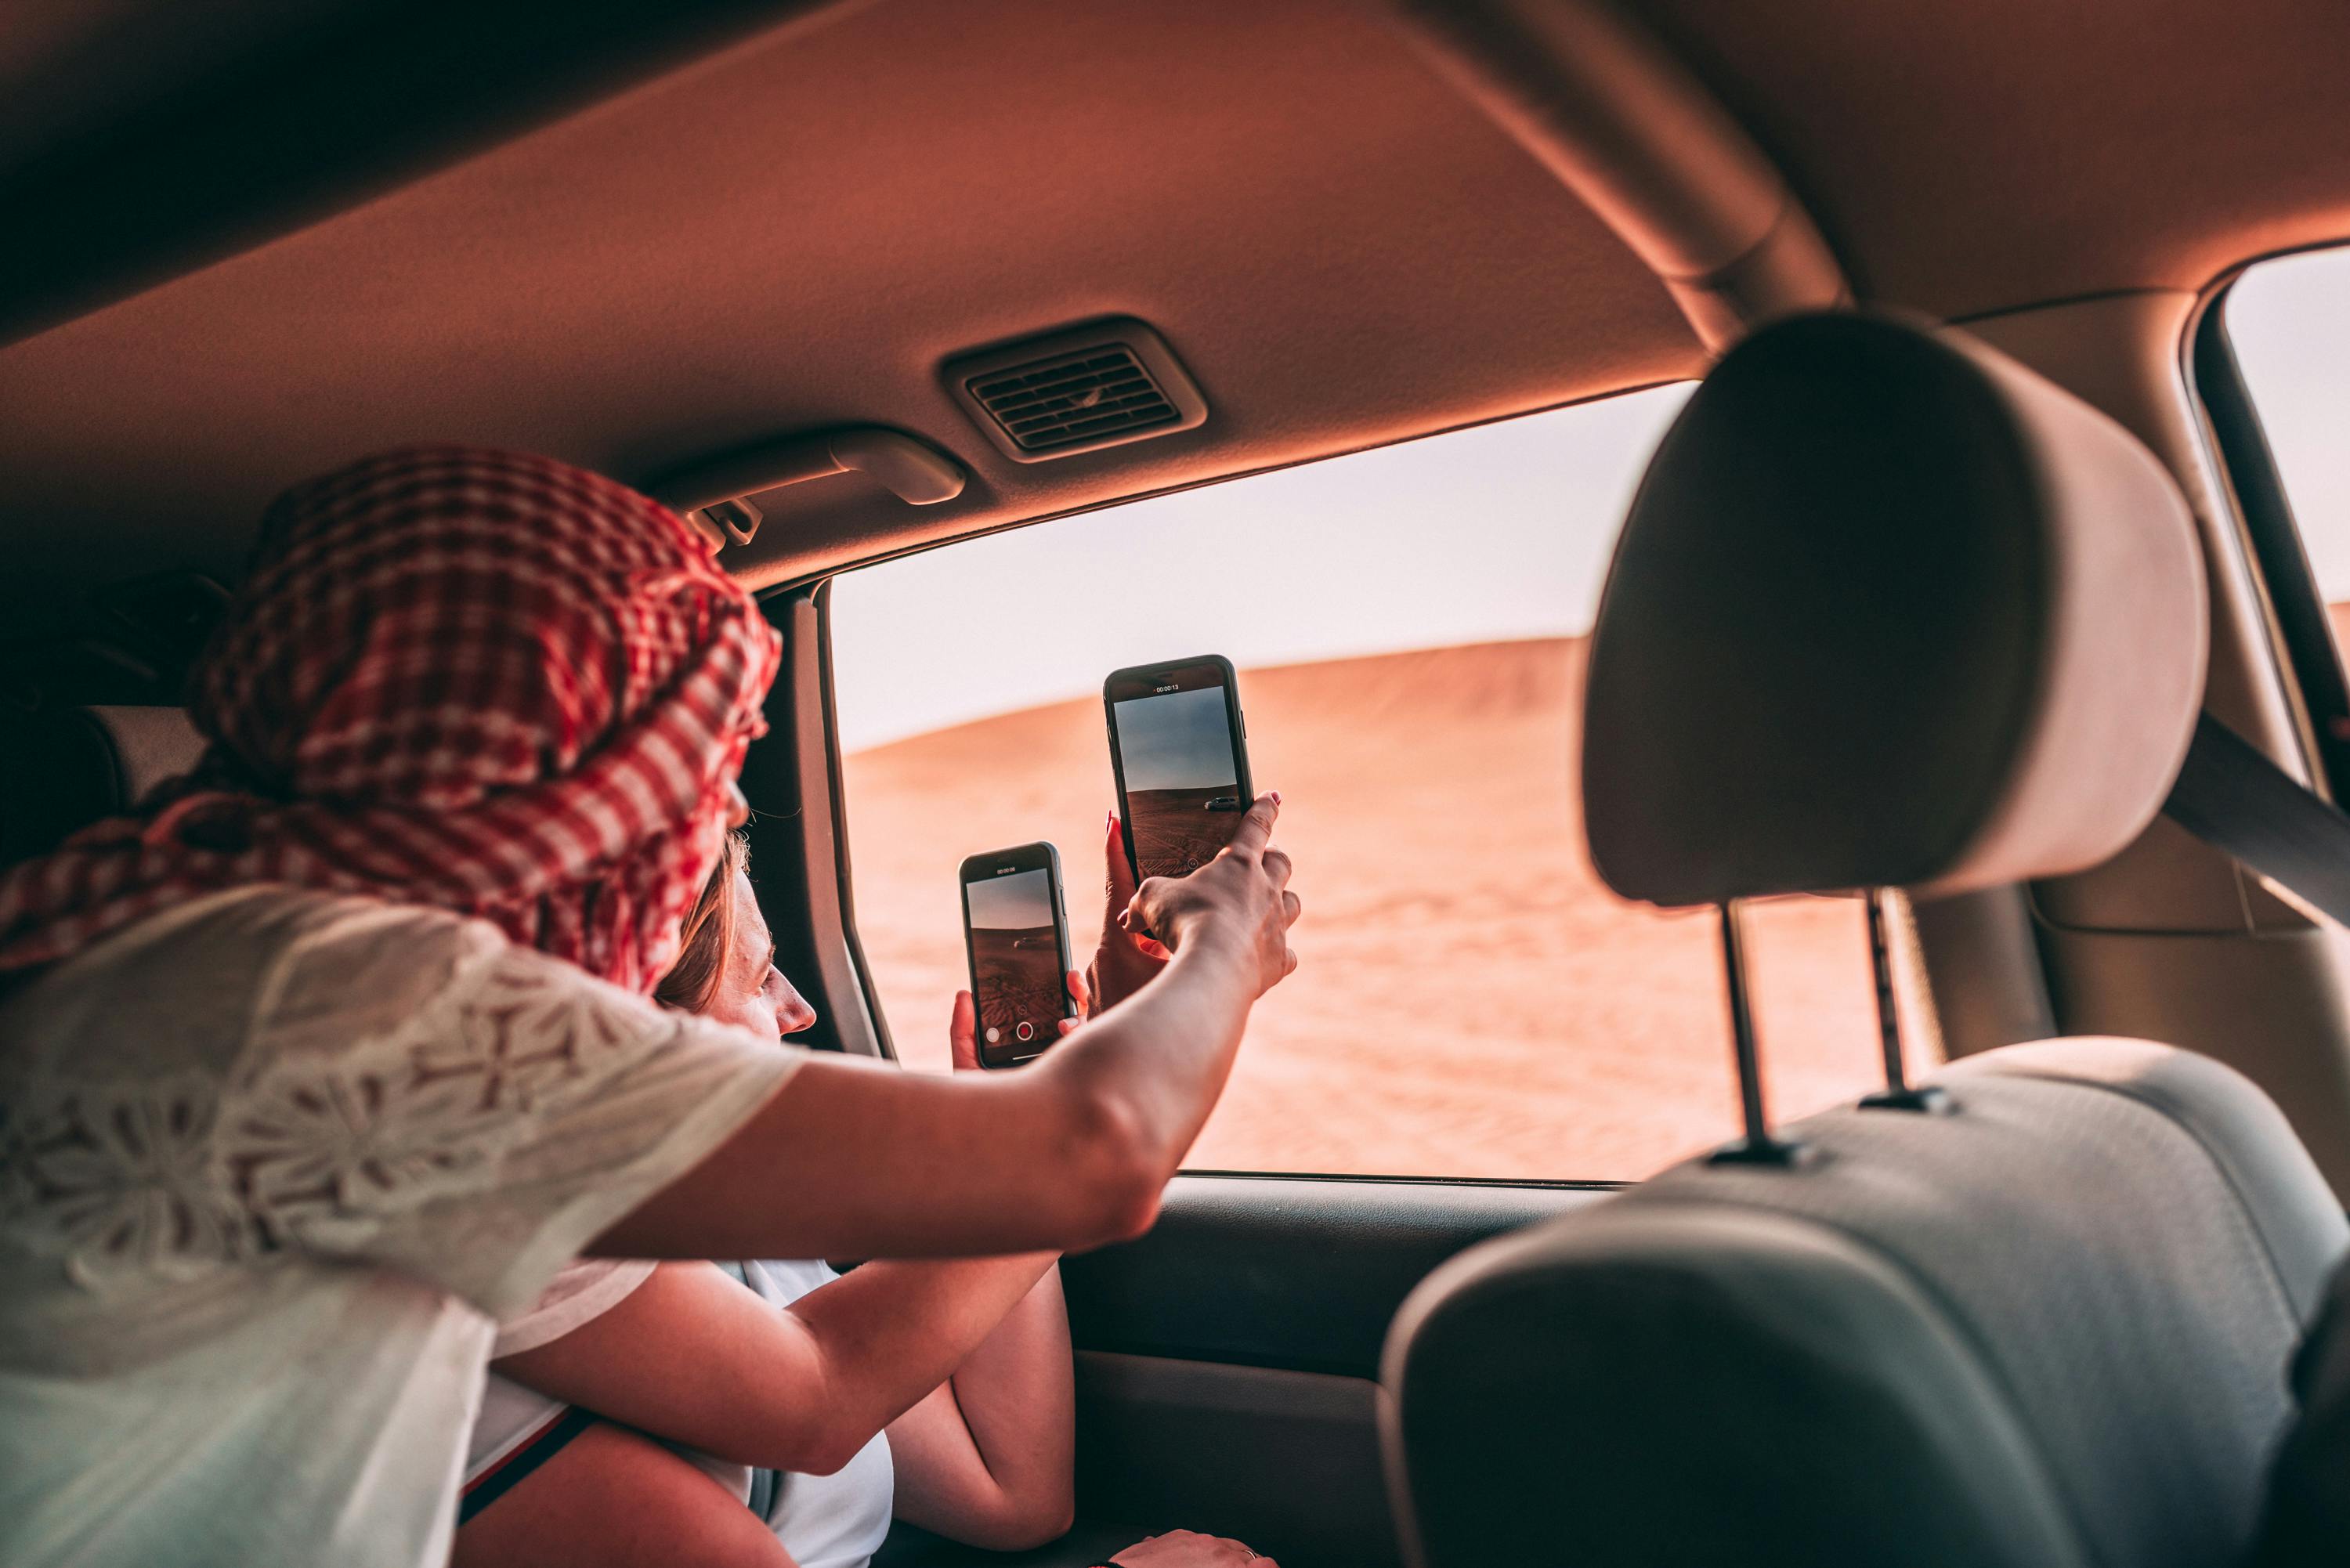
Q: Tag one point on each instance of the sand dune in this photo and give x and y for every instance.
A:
(1471, 1000)
(1024, 982)
(1176, 831)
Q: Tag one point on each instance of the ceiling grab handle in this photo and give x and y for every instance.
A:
(715, 495)
(1630, 130)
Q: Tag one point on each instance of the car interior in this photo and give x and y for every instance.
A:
(1964, 579)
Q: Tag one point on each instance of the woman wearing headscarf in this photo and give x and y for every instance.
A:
(337, 1050)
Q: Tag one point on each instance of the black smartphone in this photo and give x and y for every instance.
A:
(1018, 937)
(1179, 746)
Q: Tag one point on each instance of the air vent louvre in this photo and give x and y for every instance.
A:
(1076, 390)
(1076, 397)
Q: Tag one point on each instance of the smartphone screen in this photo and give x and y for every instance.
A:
(1176, 740)
(1018, 944)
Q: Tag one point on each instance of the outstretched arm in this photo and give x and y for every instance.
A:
(858, 1159)
(989, 1458)
(693, 1357)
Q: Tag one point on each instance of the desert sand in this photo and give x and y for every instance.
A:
(1176, 831)
(1022, 981)
(1471, 1002)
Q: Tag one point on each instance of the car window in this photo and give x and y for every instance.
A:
(1409, 625)
(2288, 321)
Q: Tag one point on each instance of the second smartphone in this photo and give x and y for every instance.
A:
(1016, 936)
(1180, 749)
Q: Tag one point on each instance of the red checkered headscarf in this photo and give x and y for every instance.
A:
(479, 680)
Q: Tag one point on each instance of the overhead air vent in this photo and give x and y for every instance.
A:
(1075, 398)
(1080, 391)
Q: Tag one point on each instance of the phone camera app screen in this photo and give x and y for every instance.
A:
(1017, 963)
(1182, 785)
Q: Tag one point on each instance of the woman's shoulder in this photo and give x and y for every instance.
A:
(186, 990)
(300, 1074)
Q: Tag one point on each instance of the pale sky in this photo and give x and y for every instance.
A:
(1014, 903)
(2290, 320)
(1180, 741)
(1479, 535)
(1485, 534)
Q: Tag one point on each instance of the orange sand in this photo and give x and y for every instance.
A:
(1471, 1002)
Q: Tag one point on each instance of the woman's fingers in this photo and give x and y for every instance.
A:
(1244, 887)
(1126, 961)
(1189, 1549)
(962, 1031)
(1079, 994)
(1141, 910)
(1117, 872)
(1256, 828)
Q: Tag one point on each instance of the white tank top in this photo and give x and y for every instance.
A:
(824, 1521)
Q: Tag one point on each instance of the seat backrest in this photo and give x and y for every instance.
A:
(2050, 1328)
(63, 768)
(1889, 610)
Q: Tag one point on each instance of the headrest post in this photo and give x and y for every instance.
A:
(1758, 1147)
(1898, 1095)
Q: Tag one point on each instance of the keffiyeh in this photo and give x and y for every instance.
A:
(480, 680)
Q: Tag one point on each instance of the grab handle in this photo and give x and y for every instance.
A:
(715, 495)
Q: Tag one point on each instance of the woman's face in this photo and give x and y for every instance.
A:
(752, 993)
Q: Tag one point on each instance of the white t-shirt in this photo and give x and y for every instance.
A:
(824, 1522)
(271, 1163)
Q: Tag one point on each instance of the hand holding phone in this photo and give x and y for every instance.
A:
(1123, 961)
(1016, 937)
(1242, 898)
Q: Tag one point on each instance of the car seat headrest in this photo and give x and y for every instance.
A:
(63, 768)
(1890, 610)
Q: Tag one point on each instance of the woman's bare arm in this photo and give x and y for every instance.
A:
(856, 1158)
(611, 1498)
(990, 1458)
(693, 1357)
(986, 1456)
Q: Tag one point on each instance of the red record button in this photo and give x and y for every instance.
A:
(1027, 1030)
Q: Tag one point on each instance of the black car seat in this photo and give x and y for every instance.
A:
(1889, 610)
(63, 768)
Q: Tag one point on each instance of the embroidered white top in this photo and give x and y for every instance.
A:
(271, 1163)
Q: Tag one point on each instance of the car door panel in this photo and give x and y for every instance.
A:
(1227, 1363)
(1299, 1273)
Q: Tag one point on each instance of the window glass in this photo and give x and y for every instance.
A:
(1409, 627)
(2289, 320)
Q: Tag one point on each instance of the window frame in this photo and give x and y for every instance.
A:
(798, 831)
(793, 779)
(2296, 608)
(809, 613)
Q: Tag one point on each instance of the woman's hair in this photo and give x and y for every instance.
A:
(707, 935)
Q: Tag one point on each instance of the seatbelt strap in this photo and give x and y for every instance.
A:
(2230, 795)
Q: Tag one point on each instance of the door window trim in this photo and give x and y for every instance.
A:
(2297, 608)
